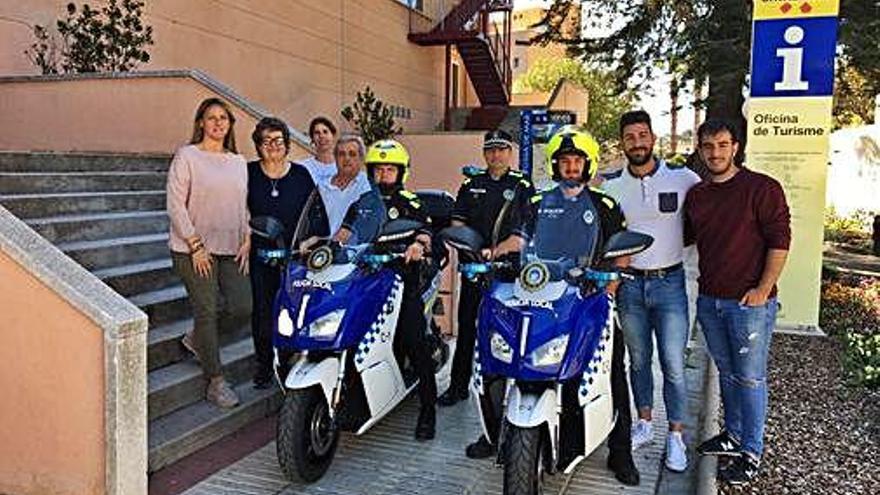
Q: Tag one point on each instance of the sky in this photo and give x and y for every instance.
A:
(655, 99)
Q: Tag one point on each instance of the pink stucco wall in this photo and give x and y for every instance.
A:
(52, 384)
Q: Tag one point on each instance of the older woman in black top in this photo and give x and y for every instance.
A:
(277, 188)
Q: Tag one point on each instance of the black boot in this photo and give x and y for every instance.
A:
(480, 449)
(452, 396)
(621, 463)
(425, 424)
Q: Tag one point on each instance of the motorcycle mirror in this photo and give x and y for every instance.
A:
(398, 229)
(463, 238)
(626, 243)
(267, 227)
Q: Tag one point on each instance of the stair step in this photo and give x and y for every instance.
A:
(181, 384)
(56, 182)
(96, 226)
(105, 253)
(164, 305)
(136, 278)
(27, 206)
(187, 430)
(11, 161)
(164, 347)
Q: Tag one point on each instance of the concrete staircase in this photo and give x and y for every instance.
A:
(107, 212)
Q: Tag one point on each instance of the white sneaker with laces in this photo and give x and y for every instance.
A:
(676, 452)
(642, 433)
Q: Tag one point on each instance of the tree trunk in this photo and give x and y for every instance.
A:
(673, 114)
(729, 65)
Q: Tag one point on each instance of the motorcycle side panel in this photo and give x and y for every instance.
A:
(384, 388)
(305, 374)
(594, 393)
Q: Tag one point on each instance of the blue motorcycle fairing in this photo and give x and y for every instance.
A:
(582, 318)
(362, 295)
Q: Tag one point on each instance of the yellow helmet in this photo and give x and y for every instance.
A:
(572, 140)
(388, 152)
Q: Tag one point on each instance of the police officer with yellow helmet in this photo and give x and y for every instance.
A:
(572, 161)
(388, 165)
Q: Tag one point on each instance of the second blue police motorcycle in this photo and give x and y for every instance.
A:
(544, 345)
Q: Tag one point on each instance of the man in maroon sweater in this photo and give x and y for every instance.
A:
(740, 222)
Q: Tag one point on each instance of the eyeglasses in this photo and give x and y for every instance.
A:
(277, 142)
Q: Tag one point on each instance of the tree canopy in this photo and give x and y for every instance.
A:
(606, 102)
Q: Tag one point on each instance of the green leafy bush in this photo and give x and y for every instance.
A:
(371, 117)
(850, 312)
(854, 230)
(112, 38)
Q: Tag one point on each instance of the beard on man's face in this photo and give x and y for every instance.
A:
(638, 156)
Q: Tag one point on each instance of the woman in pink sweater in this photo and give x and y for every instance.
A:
(207, 206)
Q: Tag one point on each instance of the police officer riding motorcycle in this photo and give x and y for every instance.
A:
(388, 166)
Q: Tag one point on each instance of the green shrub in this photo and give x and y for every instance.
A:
(854, 229)
(850, 312)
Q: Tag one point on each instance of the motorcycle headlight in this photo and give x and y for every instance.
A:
(285, 324)
(501, 350)
(327, 325)
(551, 353)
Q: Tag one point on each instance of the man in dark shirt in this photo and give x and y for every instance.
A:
(495, 202)
(741, 224)
(388, 167)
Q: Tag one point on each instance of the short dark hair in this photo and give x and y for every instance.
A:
(321, 120)
(269, 124)
(635, 117)
(712, 127)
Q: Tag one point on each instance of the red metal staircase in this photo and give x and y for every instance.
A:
(484, 47)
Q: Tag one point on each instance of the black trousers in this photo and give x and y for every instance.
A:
(412, 334)
(620, 438)
(265, 281)
(462, 361)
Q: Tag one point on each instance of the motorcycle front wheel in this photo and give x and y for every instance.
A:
(523, 460)
(306, 439)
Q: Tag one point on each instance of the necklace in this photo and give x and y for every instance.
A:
(274, 192)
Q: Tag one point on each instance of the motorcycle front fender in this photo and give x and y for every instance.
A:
(305, 374)
(528, 410)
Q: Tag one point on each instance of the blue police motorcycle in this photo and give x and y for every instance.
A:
(543, 352)
(337, 309)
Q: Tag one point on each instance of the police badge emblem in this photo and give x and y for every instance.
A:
(393, 213)
(509, 194)
(588, 217)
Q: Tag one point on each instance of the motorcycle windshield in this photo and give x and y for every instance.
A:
(566, 231)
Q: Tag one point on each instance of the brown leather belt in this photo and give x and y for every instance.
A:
(657, 273)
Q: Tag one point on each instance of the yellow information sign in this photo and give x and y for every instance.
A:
(790, 143)
(781, 9)
(789, 125)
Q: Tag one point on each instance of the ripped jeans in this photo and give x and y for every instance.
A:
(739, 338)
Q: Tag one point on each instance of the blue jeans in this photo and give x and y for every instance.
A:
(739, 342)
(656, 306)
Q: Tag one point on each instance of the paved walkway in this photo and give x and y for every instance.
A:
(387, 460)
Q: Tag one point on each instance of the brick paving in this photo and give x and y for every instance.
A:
(387, 460)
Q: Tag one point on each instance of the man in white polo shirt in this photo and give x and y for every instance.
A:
(651, 193)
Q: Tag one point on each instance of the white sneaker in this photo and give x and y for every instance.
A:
(676, 452)
(642, 434)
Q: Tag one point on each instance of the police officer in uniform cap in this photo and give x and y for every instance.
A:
(388, 165)
(494, 202)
